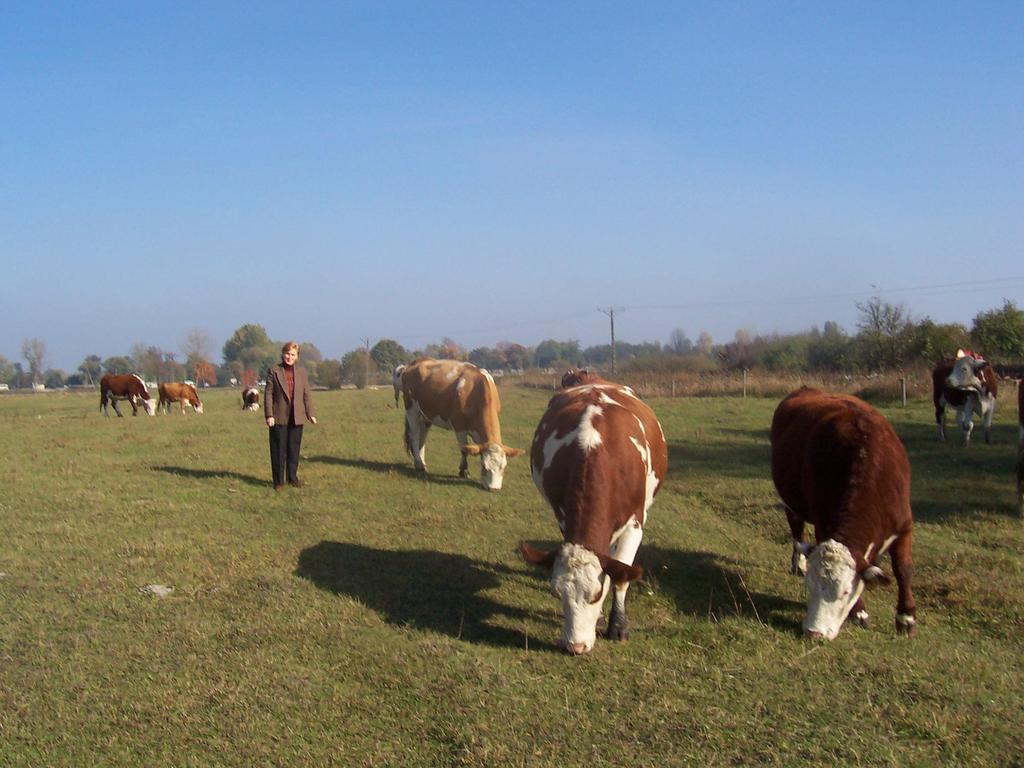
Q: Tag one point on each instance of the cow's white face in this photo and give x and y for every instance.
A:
(578, 581)
(965, 375)
(833, 587)
(149, 404)
(492, 466)
(198, 406)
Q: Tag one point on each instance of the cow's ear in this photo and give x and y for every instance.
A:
(471, 450)
(537, 556)
(619, 572)
(511, 452)
(874, 576)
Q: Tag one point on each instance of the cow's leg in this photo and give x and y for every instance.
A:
(463, 439)
(798, 561)
(987, 414)
(903, 569)
(623, 547)
(860, 613)
(113, 402)
(416, 437)
(940, 420)
(965, 417)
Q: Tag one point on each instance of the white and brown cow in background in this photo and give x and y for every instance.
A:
(969, 385)
(251, 399)
(125, 386)
(599, 458)
(396, 381)
(181, 393)
(839, 465)
(461, 397)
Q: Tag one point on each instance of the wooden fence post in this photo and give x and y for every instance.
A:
(903, 390)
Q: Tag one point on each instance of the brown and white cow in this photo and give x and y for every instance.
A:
(969, 385)
(125, 386)
(598, 458)
(251, 399)
(181, 393)
(461, 397)
(396, 381)
(839, 465)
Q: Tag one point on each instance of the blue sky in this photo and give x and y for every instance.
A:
(498, 171)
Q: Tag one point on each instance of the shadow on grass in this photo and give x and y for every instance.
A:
(435, 591)
(721, 459)
(210, 474)
(704, 584)
(390, 468)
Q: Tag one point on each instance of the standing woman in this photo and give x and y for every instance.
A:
(287, 404)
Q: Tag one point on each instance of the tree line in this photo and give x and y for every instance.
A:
(887, 337)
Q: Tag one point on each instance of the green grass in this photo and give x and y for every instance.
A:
(381, 618)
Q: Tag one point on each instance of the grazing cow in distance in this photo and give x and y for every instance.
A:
(251, 399)
(461, 397)
(125, 386)
(181, 393)
(396, 381)
(969, 385)
(839, 465)
(598, 458)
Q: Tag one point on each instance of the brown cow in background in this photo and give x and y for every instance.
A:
(181, 393)
(125, 386)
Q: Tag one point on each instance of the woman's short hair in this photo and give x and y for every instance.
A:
(290, 345)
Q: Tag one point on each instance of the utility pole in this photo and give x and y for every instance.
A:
(611, 316)
(366, 362)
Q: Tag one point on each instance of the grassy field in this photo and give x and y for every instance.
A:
(380, 618)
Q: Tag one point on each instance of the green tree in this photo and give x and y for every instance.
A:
(329, 374)
(118, 364)
(830, 350)
(54, 378)
(387, 353)
(7, 372)
(91, 369)
(250, 346)
(886, 333)
(937, 341)
(517, 357)
(354, 366)
(1000, 331)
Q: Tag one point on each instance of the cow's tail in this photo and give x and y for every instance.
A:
(408, 437)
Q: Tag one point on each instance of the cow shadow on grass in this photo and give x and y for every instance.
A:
(391, 468)
(420, 589)
(735, 460)
(706, 585)
(212, 474)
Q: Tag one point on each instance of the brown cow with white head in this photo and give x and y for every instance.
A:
(125, 386)
(461, 397)
(598, 458)
(839, 465)
(969, 385)
(251, 399)
(182, 393)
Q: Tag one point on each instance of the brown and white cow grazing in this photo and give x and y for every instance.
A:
(461, 397)
(839, 465)
(968, 384)
(251, 399)
(181, 393)
(125, 386)
(598, 458)
(396, 381)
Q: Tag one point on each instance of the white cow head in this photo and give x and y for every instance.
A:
(834, 584)
(396, 381)
(965, 372)
(580, 579)
(493, 460)
(149, 403)
(198, 406)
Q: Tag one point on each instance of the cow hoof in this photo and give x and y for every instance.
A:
(618, 632)
(906, 625)
(863, 620)
(421, 470)
(464, 474)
